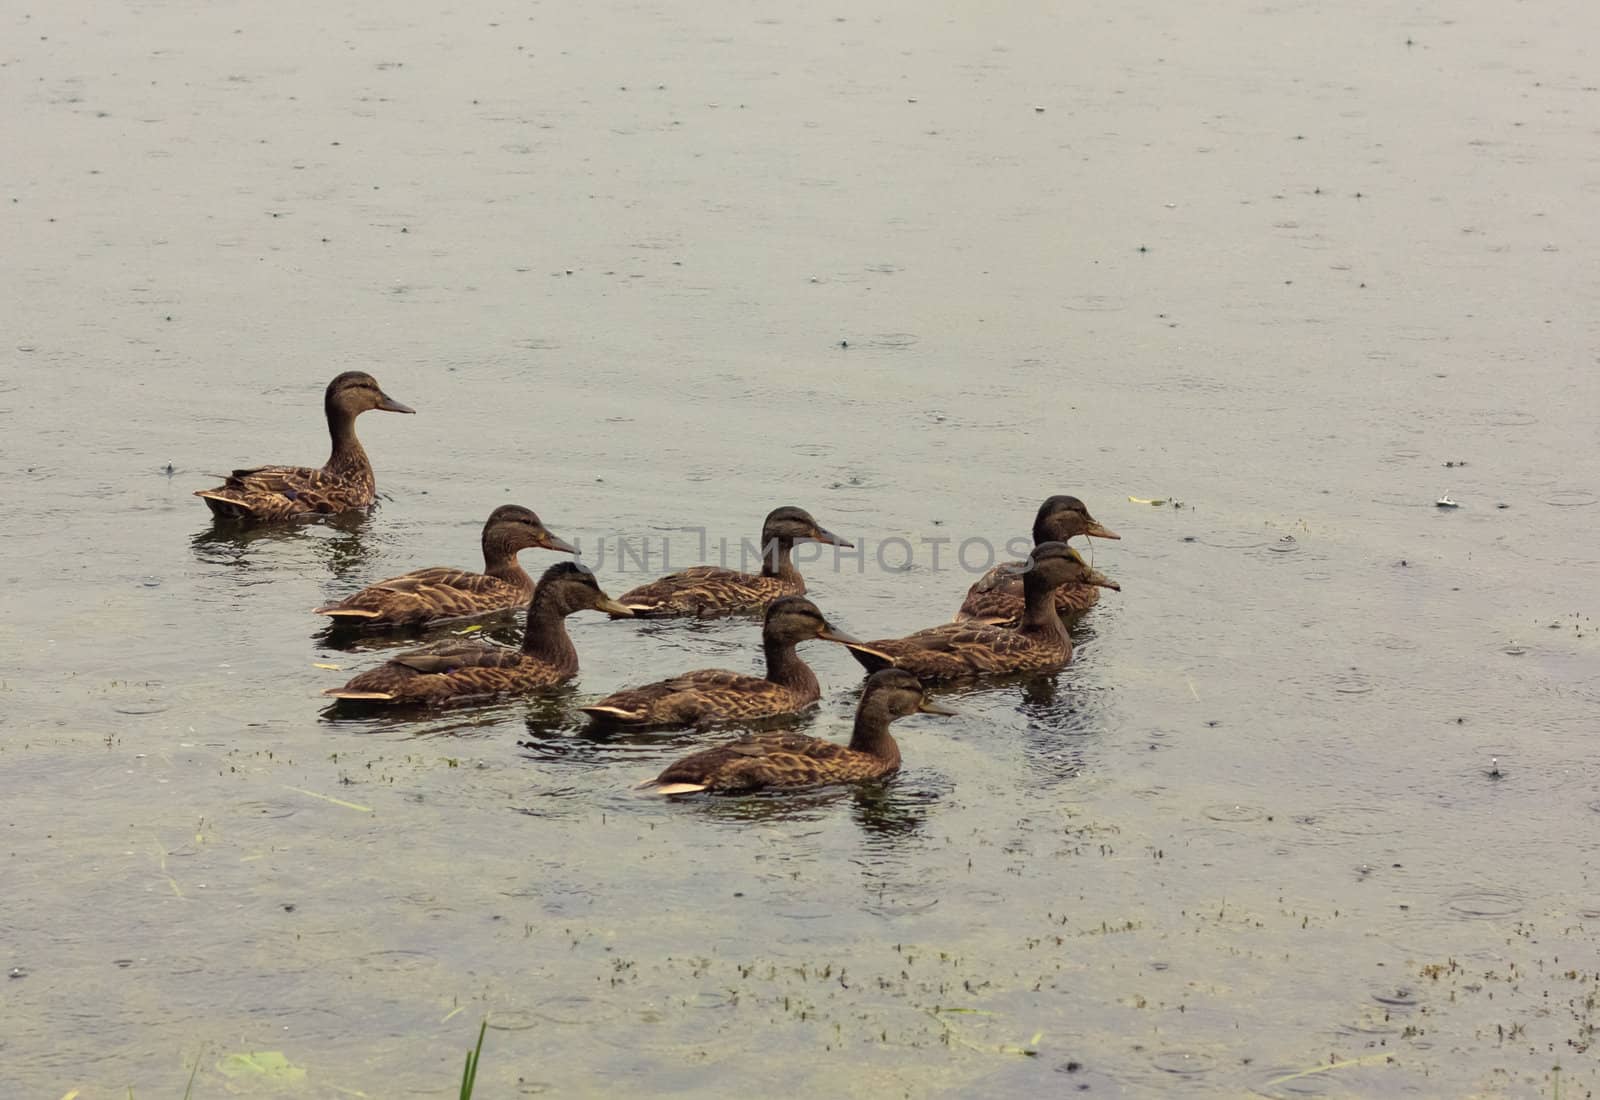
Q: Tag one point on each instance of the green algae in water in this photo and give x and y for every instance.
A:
(266, 1065)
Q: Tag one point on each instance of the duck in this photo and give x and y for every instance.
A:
(440, 593)
(707, 591)
(955, 651)
(461, 670)
(343, 484)
(790, 760)
(996, 597)
(710, 695)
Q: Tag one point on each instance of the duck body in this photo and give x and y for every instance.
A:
(456, 671)
(708, 696)
(995, 599)
(708, 591)
(459, 671)
(774, 760)
(962, 650)
(997, 596)
(795, 760)
(344, 483)
(958, 651)
(440, 593)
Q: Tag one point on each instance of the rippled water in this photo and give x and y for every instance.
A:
(1313, 812)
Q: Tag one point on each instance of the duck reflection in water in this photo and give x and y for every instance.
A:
(343, 543)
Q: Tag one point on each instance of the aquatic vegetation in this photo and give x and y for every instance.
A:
(469, 1072)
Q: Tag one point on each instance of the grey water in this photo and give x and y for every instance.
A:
(1313, 812)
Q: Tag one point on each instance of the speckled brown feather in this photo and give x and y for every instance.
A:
(441, 593)
(706, 591)
(955, 651)
(285, 492)
(776, 760)
(455, 671)
(996, 598)
(699, 698)
(787, 760)
(712, 695)
(464, 670)
(344, 483)
(427, 595)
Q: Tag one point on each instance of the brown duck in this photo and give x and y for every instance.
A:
(997, 595)
(788, 760)
(707, 591)
(710, 695)
(466, 670)
(432, 595)
(343, 484)
(955, 651)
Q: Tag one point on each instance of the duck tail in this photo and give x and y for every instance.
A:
(655, 786)
(224, 506)
(870, 659)
(337, 612)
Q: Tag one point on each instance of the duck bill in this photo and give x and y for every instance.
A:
(1101, 580)
(1098, 530)
(612, 607)
(547, 541)
(390, 405)
(834, 634)
(832, 539)
(930, 707)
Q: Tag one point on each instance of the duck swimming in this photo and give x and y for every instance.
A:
(344, 483)
(707, 591)
(954, 651)
(463, 670)
(430, 595)
(997, 595)
(711, 695)
(790, 760)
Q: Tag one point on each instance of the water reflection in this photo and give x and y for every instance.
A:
(890, 810)
(503, 627)
(423, 720)
(343, 543)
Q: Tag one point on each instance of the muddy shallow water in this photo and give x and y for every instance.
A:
(1315, 811)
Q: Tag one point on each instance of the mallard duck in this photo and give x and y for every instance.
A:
(462, 670)
(343, 484)
(430, 595)
(955, 651)
(786, 760)
(997, 595)
(711, 695)
(706, 590)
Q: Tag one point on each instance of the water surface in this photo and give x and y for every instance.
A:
(1315, 810)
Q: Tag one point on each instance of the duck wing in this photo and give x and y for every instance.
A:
(438, 592)
(706, 591)
(696, 698)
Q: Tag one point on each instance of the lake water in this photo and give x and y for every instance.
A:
(1316, 810)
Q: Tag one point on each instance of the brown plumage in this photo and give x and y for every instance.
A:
(706, 591)
(955, 651)
(463, 670)
(789, 760)
(997, 595)
(711, 695)
(344, 483)
(430, 595)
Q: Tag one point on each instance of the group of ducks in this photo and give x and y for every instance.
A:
(1010, 622)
